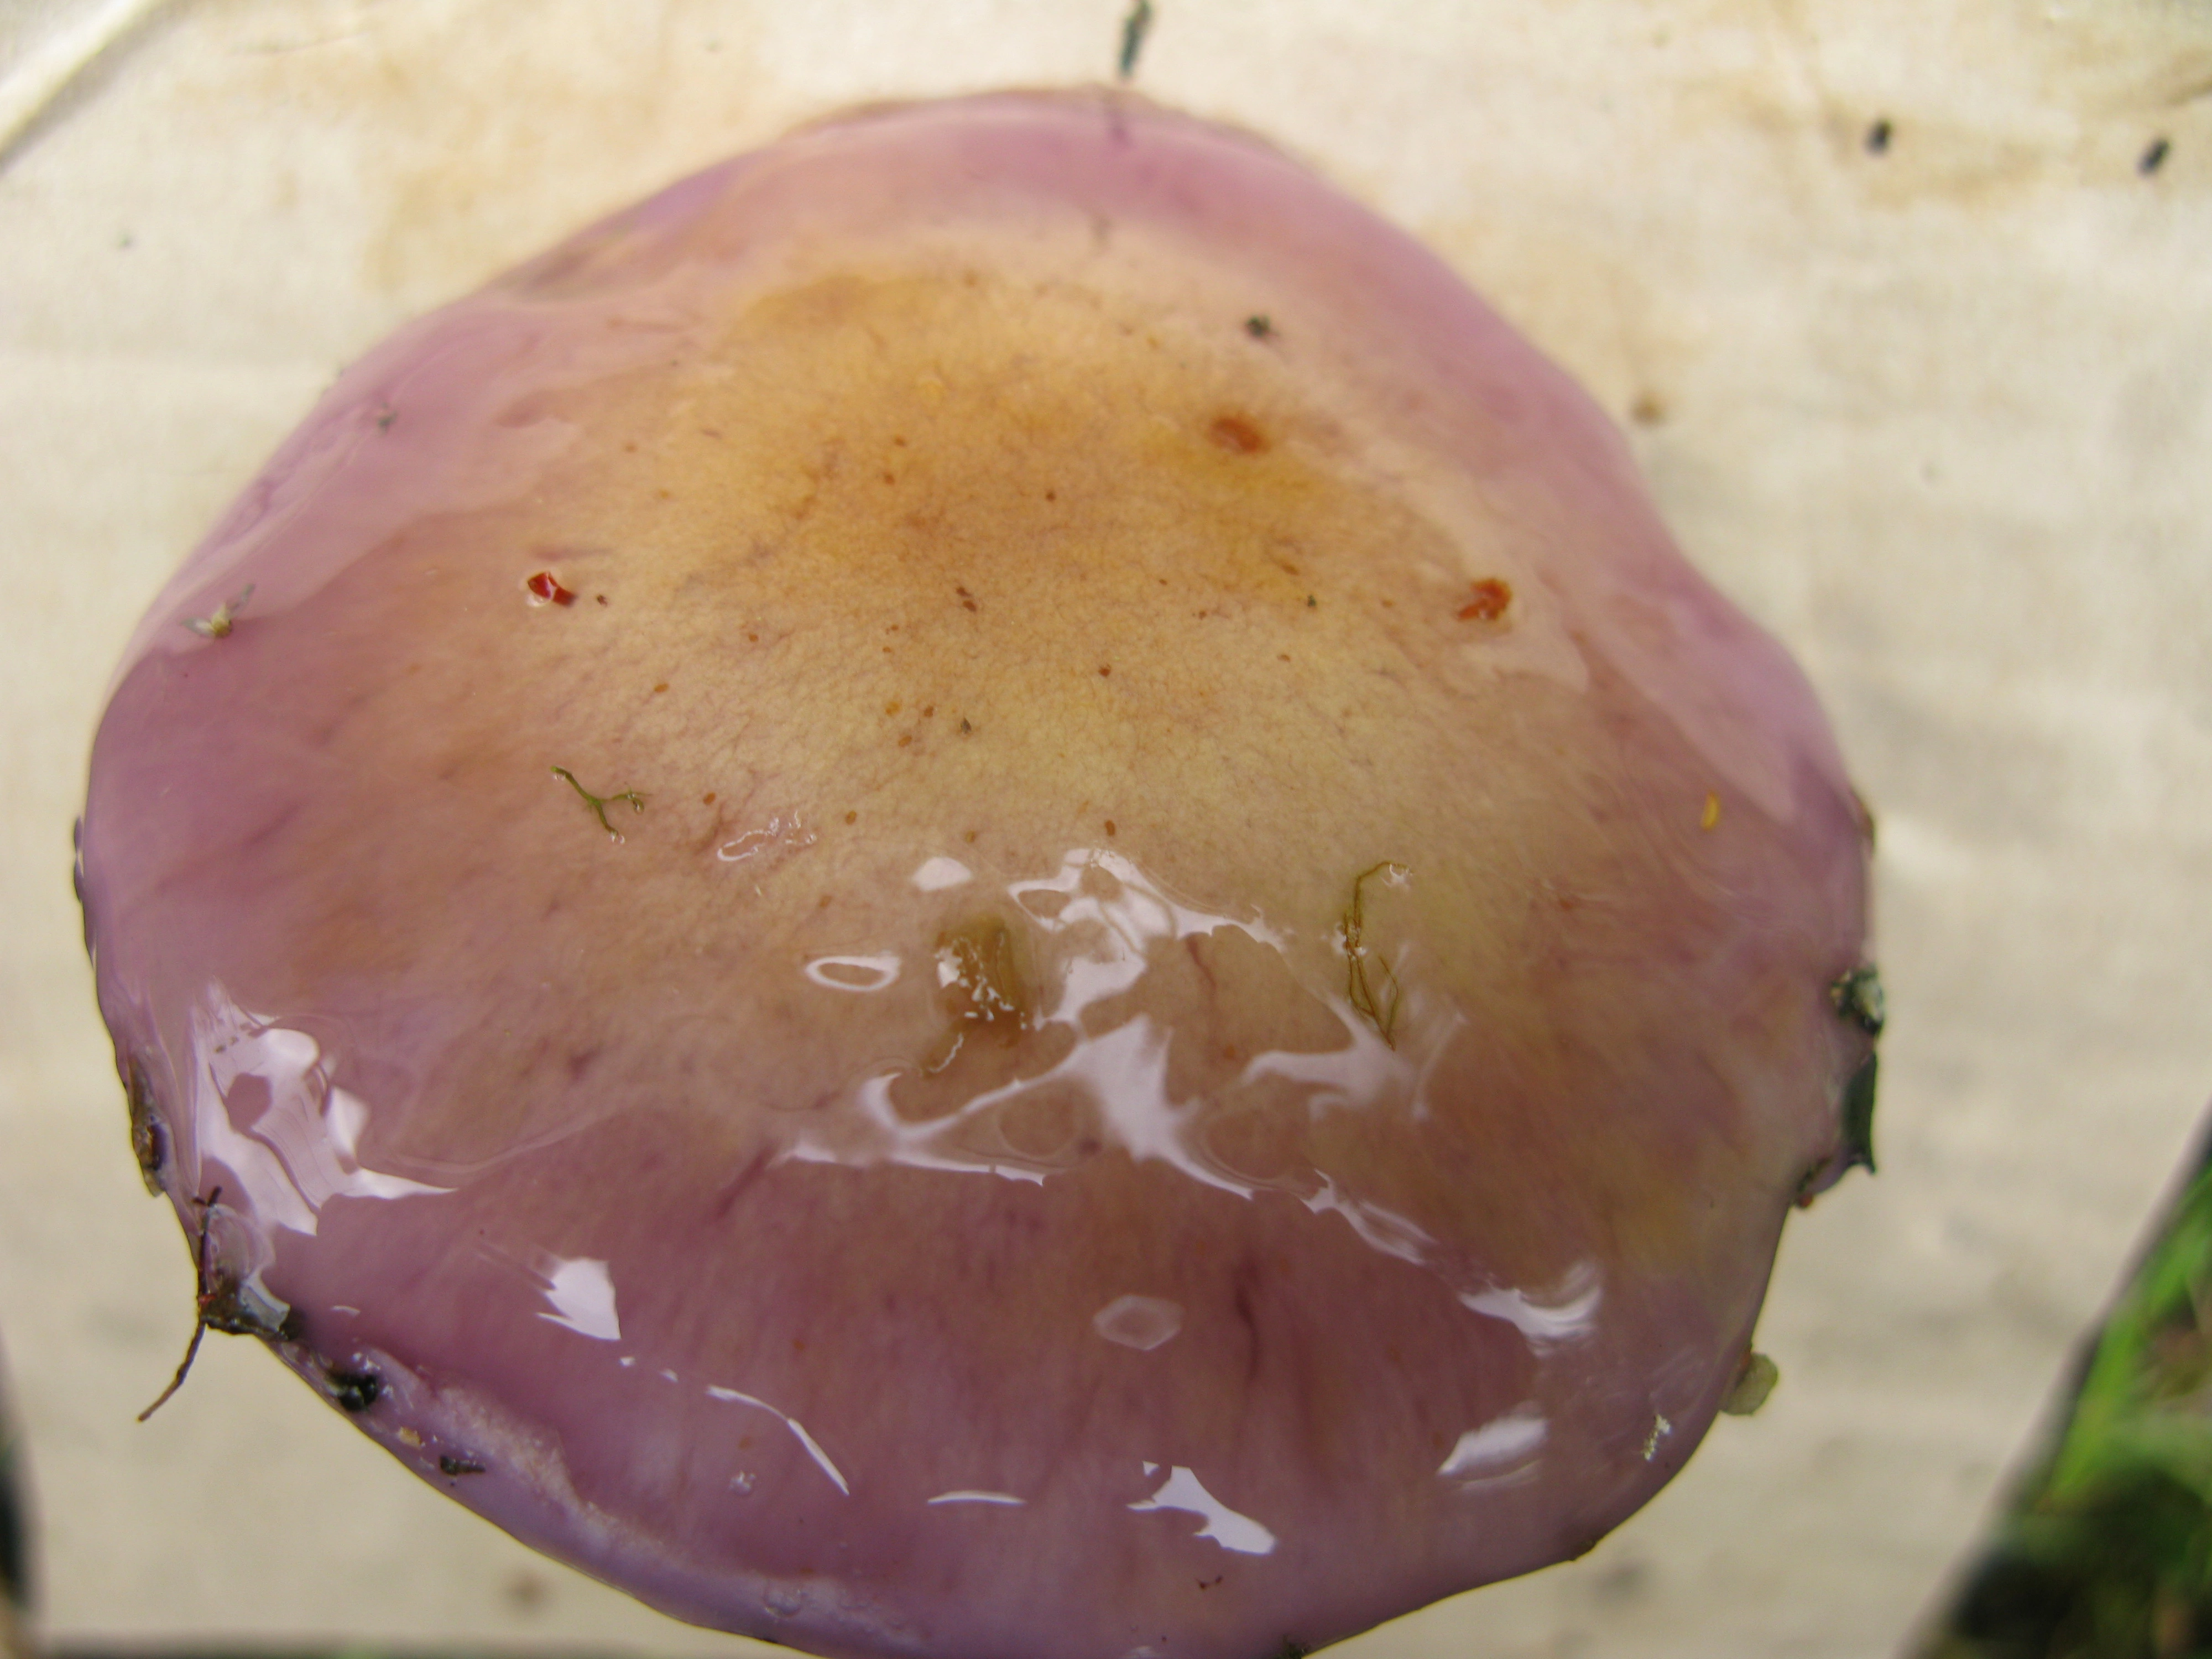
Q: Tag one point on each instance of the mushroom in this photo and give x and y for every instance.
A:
(984, 890)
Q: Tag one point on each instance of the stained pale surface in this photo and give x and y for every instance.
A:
(1926, 414)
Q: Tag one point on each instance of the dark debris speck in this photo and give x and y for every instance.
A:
(355, 1391)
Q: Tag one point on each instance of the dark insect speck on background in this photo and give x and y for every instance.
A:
(1135, 27)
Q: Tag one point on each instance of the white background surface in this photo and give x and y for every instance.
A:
(1941, 418)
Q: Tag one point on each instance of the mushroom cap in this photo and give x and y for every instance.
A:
(983, 890)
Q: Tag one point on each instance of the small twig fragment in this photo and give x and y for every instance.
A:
(218, 1304)
(1134, 27)
(598, 802)
(1360, 991)
(218, 626)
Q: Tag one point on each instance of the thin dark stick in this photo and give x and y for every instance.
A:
(201, 1298)
(1134, 27)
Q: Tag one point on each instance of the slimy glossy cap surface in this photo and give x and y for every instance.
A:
(983, 891)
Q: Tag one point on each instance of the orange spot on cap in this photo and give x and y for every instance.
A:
(1238, 434)
(1492, 596)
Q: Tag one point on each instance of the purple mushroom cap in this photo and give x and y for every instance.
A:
(984, 890)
